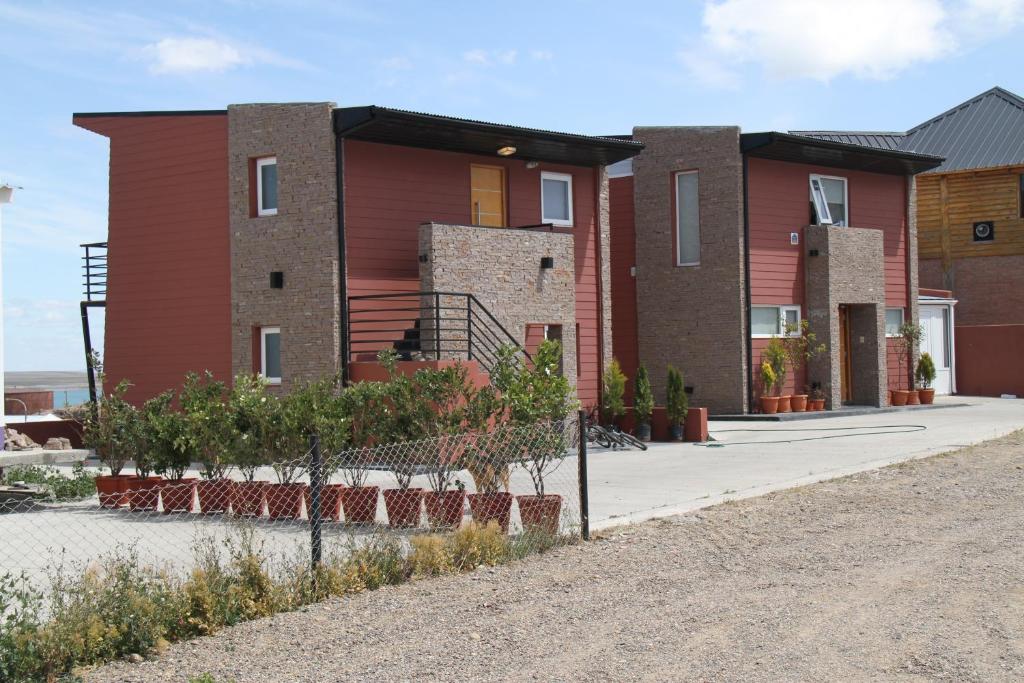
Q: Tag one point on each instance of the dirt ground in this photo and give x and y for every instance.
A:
(910, 573)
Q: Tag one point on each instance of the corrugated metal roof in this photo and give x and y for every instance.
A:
(875, 139)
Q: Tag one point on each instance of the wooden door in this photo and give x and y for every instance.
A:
(487, 196)
(846, 390)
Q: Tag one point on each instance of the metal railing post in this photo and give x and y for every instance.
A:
(469, 328)
(316, 483)
(584, 490)
(437, 325)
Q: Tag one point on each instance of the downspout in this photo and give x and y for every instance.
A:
(749, 344)
(339, 175)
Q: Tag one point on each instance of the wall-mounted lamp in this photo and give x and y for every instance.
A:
(688, 390)
(532, 164)
(812, 252)
(276, 279)
(547, 262)
(506, 151)
(423, 258)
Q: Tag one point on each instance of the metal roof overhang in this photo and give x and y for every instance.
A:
(805, 150)
(429, 131)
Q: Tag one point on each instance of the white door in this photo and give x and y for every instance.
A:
(935, 341)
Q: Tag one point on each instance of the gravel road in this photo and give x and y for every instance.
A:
(910, 573)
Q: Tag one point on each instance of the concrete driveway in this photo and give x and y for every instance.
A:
(752, 458)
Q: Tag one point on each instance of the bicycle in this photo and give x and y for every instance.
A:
(610, 437)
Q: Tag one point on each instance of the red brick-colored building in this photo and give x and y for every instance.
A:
(719, 243)
(295, 240)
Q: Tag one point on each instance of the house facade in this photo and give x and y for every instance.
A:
(298, 240)
(721, 239)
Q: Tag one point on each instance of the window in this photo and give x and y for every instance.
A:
(893, 321)
(830, 200)
(687, 219)
(270, 354)
(266, 186)
(773, 321)
(556, 198)
(554, 333)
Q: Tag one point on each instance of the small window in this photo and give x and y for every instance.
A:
(556, 198)
(893, 321)
(266, 186)
(830, 201)
(687, 219)
(554, 333)
(270, 354)
(774, 321)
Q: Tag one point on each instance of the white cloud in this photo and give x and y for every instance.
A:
(541, 55)
(476, 57)
(188, 55)
(396, 64)
(489, 58)
(824, 39)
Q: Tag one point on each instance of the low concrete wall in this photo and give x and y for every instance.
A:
(988, 359)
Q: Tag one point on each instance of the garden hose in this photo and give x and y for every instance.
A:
(888, 429)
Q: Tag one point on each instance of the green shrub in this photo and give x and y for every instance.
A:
(79, 485)
(777, 356)
(643, 397)
(612, 393)
(112, 429)
(676, 401)
(925, 371)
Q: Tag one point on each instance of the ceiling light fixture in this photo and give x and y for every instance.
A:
(506, 151)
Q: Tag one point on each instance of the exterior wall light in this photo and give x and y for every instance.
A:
(532, 164)
(506, 151)
(547, 262)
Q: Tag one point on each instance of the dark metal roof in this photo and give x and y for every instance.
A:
(415, 129)
(876, 139)
(809, 150)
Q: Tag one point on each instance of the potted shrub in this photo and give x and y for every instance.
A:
(111, 429)
(769, 403)
(488, 459)
(925, 374)
(613, 391)
(171, 449)
(248, 409)
(211, 433)
(286, 436)
(676, 403)
(776, 355)
(643, 404)
(909, 337)
(330, 421)
(144, 487)
(366, 404)
(801, 346)
(817, 399)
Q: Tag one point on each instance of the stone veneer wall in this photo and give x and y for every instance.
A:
(501, 268)
(301, 240)
(913, 274)
(848, 270)
(605, 232)
(693, 317)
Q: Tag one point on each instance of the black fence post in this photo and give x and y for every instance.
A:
(316, 484)
(584, 490)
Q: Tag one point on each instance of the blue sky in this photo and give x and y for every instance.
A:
(588, 67)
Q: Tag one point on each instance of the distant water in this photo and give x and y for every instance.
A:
(62, 398)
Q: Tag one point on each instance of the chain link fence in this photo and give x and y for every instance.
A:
(526, 479)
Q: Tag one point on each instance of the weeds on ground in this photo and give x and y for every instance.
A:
(79, 485)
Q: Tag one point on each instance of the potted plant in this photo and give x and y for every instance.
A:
(909, 337)
(925, 374)
(110, 429)
(287, 434)
(329, 420)
(211, 433)
(248, 408)
(769, 404)
(612, 393)
(776, 355)
(488, 459)
(366, 404)
(676, 403)
(801, 346)
(144, 487)
(817, 399)
(643, 404)
(169, 447)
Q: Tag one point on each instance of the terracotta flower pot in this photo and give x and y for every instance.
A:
(769, 404)
(249, 498)
(899, 397)
(785, 404)
(927, 396)
(143, 493)
(330, 502)
(112, 489)
(912, 398)
(444, 510)
(816, 404)
(178, 494)
(488, 506)
(540, 513)
(283, 500)
(403, 506)
(360, 504)
(798, 402)
(215, 495)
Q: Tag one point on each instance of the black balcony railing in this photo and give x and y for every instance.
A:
(95, 271)
(425, 326)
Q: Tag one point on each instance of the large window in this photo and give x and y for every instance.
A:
(687, 219)
(830, 200)
(774, 321)
(270, 354)
(556, 198)
(266, 186)
(893, 321)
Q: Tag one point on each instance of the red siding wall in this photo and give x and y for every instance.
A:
(168, 293)
(778, 204)
(390, 190)
(623, 258)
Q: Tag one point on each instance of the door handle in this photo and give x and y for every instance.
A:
(476, 205)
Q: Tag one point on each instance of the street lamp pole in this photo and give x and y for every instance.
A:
(6, 197)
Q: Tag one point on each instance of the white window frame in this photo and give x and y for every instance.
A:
(824, 213)
(782, 308)
(675, 218)
(903, 318)
(562, 177)
(260, 163)
(264, 331)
